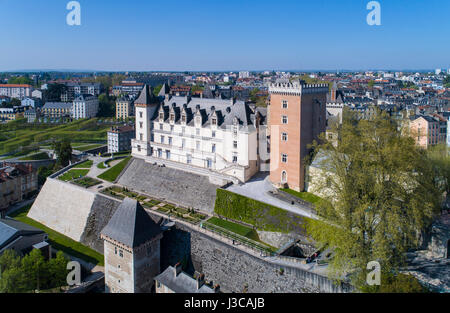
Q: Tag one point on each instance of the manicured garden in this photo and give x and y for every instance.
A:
(112, 174)
(189, 215)
(86, 182)
(307, 196)
(60, 241)
(73, 174)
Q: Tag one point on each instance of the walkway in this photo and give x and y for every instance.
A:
(258, 187)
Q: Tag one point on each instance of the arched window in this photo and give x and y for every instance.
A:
(283, 176)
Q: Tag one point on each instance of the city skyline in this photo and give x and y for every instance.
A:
(232, 36)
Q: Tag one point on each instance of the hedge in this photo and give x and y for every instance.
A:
(262, 215)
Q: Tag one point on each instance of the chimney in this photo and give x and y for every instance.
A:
(216, 288)
(200, 281)
(177, 269)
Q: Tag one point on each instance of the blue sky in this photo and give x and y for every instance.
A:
(227, 35)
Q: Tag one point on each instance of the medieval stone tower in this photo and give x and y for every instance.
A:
(131, 249)
(297, 117)
(145, 107)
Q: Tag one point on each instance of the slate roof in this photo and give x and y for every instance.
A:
(11, 229)
(182, 283)
(165, 89)
(225, 110)
(58, 105)
(131, 225)
(146, 96)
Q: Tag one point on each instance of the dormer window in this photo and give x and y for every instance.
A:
(172, 117)
(161, 116)
(214, 121)
(198, 120)
(183, 118)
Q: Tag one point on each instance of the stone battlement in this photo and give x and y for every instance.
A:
(297, 88)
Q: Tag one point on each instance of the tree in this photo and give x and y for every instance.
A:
(157, 89)
(57, 269)
(63, 150)
(379, 194)
(107, 106)
(371, 84)
(54, 91)
(446, 81)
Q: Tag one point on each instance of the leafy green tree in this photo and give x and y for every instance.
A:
(379, 194)
(371, 84)
(63, 150)
(57, 269)
(20, 80)
(107, 106)
(440, 159)
(54, 92)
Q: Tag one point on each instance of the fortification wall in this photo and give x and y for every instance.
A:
(63, 207)
(234, 269)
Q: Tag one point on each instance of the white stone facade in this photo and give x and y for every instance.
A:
(208, 139)
(85, 107)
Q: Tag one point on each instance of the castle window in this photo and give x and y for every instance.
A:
(235, 158)
(235, 144)
(284, 136)
(171, 128)
(213, 148)
(140, 114)
(284, 158)
(161, 126)
(170, 140)
(285, 104)
(183, 129)
(197, 145)
(284, 119)
(115, 250)
(121, 254)
(140, 124)
(149, 250)
(162, 139)
(141, 136)
(213, 134)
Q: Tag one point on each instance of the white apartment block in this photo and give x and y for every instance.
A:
(18, 91)
(222, 136)
(84, 106)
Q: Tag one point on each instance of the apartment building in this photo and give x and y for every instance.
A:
(214, 134)
(19, 91)
(297, 117)
(85, 106)
(129, 87)
(124, 107)
(57, 109)
(119, 138)
(428, 130)
(16, 182)
(76, 89)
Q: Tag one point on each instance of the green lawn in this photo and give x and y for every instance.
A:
(60, 241)
(111, 174)
(88, 147)
(101, 165)
(235, 228)
(85, 164)
(307, 196)
(73, 174)
(35, 157)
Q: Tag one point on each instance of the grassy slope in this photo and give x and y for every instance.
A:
(235, 228)
(60, 241)
(85, 164)
(303, 195)
(111, 174)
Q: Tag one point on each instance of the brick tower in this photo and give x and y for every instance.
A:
(297, 117)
